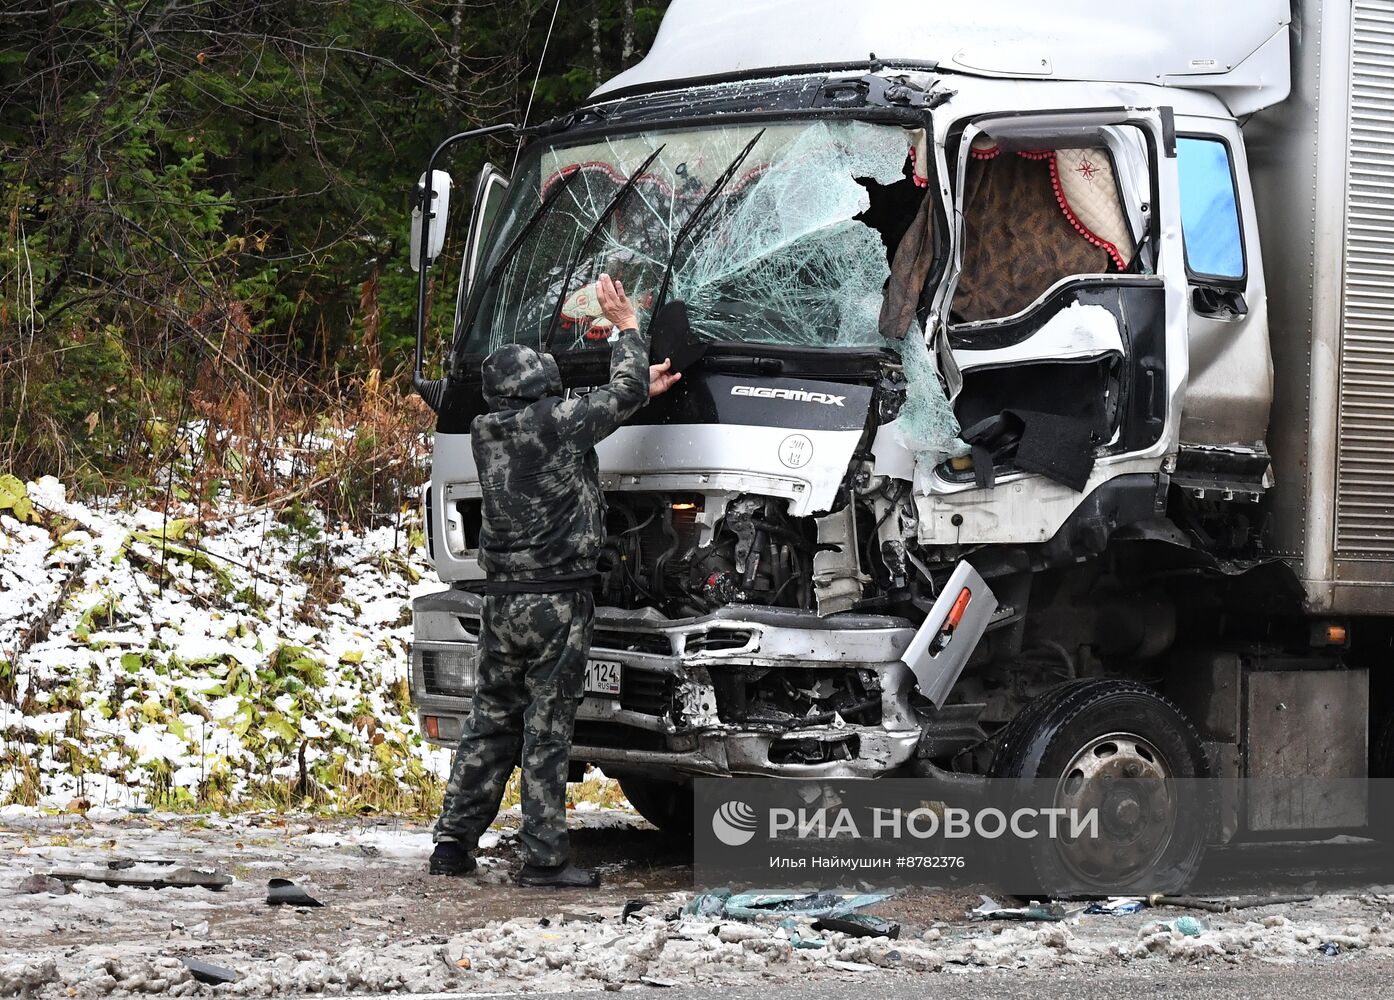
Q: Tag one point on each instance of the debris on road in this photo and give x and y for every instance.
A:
(207, 972)
(1187, 926)
(284, 892)
(990, 909)
(387, 929)
(180, 878)
(1118, 906)
(760, 905)
(1329, 948)
(859, 925)
(841, 966)
(1224, 905)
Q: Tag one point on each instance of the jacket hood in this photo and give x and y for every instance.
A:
(515, 376)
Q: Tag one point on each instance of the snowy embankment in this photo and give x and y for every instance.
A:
(162, 660)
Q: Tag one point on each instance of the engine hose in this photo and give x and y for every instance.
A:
(637, 527)
(774, 601)
(822, 718)
(792, 536)
(661, 563)
(752, 560)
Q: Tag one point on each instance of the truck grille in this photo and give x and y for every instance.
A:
(632, 642)
(646, 693)
(1365, 470)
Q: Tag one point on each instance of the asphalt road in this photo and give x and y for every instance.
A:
(1348, 979)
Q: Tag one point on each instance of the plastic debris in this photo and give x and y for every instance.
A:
(754, 905)
(859, 925)
(791, 927)
(1329, 948)
(708, 904)
(632, 907)
(1187, 926)
(655, 981)
(284, 892)
(1118, 906)
(758, 905)
(990, 909)
(582, 917)
(207, 972)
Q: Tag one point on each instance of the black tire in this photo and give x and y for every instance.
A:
(666, 804)
(1120, 745)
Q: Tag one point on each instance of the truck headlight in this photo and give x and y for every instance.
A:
(450, 673)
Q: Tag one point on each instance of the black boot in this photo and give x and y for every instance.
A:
(563, 876)
(449, 858)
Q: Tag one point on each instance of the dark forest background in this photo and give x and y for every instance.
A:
(206, 210)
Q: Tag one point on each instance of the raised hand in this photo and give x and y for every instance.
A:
(615, 304)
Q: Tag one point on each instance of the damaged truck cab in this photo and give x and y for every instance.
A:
(976, 468)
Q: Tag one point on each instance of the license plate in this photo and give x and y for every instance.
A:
(603, 677)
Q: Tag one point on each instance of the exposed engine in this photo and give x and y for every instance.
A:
(689, 554)
(670, 552)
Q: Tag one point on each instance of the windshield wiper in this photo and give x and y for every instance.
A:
(690, 226)
(579, 255)
(477, 299)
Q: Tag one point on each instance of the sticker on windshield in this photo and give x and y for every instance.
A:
(796, 451)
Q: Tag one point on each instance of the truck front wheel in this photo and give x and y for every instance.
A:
(665, 804)
(1120, 749)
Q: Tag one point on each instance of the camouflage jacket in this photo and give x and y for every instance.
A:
(535, 452)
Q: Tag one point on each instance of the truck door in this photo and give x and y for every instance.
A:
(490, 192)
(1058, 322)
(1230, 388)
(453, 521)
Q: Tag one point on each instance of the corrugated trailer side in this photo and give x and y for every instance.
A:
(1323, 173)
(1364, 509)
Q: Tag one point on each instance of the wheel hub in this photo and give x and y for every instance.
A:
(1126, 782)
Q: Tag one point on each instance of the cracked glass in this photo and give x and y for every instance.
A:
(776, 257)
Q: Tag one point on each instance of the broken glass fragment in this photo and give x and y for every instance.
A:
(926, 425)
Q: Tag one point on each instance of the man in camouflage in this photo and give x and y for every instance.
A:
(541, 535)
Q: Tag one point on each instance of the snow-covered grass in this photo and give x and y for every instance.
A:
(159, 659)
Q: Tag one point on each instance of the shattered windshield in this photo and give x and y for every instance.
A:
(786, 253)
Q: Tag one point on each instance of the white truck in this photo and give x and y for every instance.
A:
(1038, 419)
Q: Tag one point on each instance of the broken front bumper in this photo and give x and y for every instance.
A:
(681, 707)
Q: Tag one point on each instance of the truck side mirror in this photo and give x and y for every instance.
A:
(436, 205)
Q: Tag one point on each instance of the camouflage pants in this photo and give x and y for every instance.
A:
(533, 650)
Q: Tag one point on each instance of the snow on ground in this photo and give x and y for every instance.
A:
(385, 926)
(254, 662)
(272, 663)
